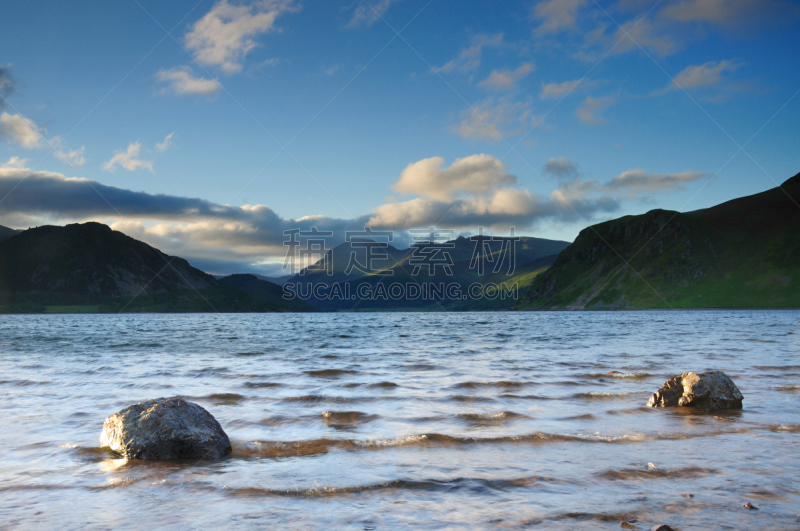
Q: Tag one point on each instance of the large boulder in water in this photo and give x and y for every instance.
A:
(165, 428)
(708, 391)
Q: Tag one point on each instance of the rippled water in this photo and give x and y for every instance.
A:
(395, 420)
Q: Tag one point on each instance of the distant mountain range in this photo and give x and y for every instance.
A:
(455, 264)
(744, 253)
(89, 267)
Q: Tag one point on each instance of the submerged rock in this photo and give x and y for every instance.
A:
(661, 527)
(165, 428)
(708, 391)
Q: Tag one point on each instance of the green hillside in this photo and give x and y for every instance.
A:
(744, 253)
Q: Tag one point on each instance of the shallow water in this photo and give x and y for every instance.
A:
(393, 420)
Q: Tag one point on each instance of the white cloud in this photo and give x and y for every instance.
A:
(74, 158)
(473, 175)
(470, 58)
(589, 111)
(182, 82)
(556, 15)
(473, 191)
(367, 13)
(557, 90)
(14, 162)
(506, 79)
(494, 120)
(504, 208)
(477, 191)
(128, 159)
(705, 75)
(166, 144)
(225, 35)
(637, 181)
(16, 129)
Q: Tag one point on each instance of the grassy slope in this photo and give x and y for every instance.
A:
(741, 254)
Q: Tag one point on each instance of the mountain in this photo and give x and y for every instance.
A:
(275, 280)
(744, 253)
(91, 266)
(368, 290)
(264, 289)
(6, 233)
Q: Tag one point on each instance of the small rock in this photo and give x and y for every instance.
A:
(165, 428)
(661, 527)
(627, 525)
(750, 506)
(707, 391)
(688, 495)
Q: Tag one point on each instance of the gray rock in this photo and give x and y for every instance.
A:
(661, 527)
(707, 391)
(165, 428)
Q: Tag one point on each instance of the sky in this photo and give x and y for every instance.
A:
(209, 128)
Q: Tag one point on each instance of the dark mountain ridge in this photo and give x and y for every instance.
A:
(6, 233)
(91, 264)
(744, 253)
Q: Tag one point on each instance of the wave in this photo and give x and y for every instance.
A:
(273, 449)
(491, 418)
(653, 472)
(329, 373)
(261, 385)
(587, 416)
(320, 399)
(785, 428)
(419, 367)
(603, 517)
(346, 418)
(223, 398)
(527, 397)
(792, 387)
(23, 383)
(503, 384)
(433, 485)
(197, 373)
(383, 385)
(601, 395)
(618, 374)
(777, 367)
(467, 398)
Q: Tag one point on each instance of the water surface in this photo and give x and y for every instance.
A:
(392, 420)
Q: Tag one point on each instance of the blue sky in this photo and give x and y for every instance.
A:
(545, 116)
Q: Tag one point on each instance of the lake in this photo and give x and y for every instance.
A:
(405, 420)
